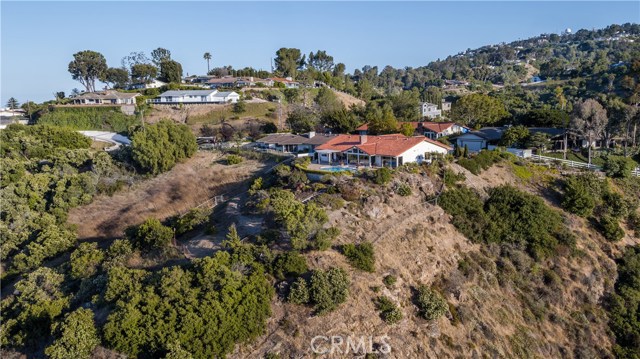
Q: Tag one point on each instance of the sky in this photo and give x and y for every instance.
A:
(38, 39)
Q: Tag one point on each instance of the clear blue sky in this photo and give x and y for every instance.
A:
(38, 39)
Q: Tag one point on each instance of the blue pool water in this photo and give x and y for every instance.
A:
(337, 169)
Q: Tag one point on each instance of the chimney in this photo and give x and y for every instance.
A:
(363, 139)
(311, 134)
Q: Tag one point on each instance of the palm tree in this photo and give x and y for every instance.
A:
(207, 56)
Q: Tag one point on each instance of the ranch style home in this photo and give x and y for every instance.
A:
(196, 97)
(478, 140)
(108, 97)
(387, 150)
(291, 143)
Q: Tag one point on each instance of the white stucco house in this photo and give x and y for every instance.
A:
(196, 96)
(154, 84)
(430, 110)
(108, 97)
(378, 151)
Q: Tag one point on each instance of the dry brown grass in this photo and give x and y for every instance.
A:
(176, 191)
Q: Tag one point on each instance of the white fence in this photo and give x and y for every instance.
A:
(575, 164)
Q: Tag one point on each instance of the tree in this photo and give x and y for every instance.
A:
(207, 56)
(59, 96)
(341, 121)
(143, 73)
(170, 71)
(13, 103)
(117, 77)
(301, 119)
(239, 107)
(589, 120)
(134, 58)
(288, 61)
(327, 101)
(158, 147)
(152, 234)
(515, 135)
(160, 55)
(87, 67)
(539, 140)
(407, 129)
(382, 121)
(477, 110)
(85, 260)
(320, 61)
(77, 336)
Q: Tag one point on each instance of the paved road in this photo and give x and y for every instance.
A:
(116, 139)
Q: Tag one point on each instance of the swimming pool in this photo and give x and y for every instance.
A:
(337, 168)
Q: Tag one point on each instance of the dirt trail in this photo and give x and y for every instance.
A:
(176, 191)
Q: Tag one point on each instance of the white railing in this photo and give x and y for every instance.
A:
(575, 164)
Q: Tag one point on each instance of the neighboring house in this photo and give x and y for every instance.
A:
(432, 130)
(480, 139)
(379, 151)
(288, 82)
(291, 143)
(253, 81)
(446, 106)
(435, 130)
(150, 85)
(196, 96)
(108, 97)
(429, 110)
(226, 81)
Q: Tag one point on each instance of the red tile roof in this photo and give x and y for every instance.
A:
(387, 145)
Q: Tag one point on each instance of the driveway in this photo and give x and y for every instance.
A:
(114, 138)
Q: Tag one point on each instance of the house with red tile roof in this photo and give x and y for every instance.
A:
(387, 150)
(288, 82)
(432, 130)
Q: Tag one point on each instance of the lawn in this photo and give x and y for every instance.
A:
(252, 110)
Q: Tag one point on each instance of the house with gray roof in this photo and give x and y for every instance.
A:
(292, 143)
(482, 138)
(108, 97)
(196, 97)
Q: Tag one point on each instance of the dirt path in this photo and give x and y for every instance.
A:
(184, 187)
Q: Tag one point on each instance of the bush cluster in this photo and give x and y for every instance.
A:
(389, 312)
(234, 159)
(431, 304)
(360, 256)
(158, 147)
(89, 118)
(483, 160)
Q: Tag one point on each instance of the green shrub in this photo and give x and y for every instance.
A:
(324, 238)
(466, 209)
(85, 260)
(299, 292)
(389, 280)
(483, 160)
(234, 159)
(193, 218)
(158, 147)
(431, 304)
(330, 201)
(389, 312)
(289, 264)
(77, 336)
(610, 228)
(360, 256)
(451, 178)
(581, 194)
(403, 190)
(633, 220)
(619, 166)
(382, 176)
(622, 305)
(615, 205)
(151, 235)
(89, 118)
(328, 289)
